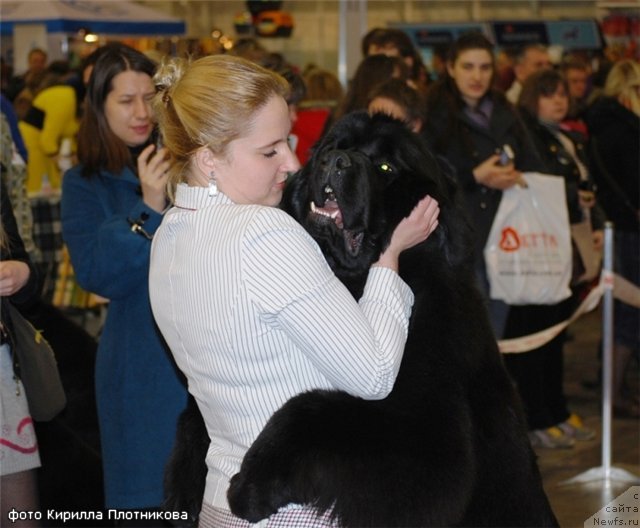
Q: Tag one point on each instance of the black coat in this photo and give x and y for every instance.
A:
(14, 250)
(558, 161)
(465, 145)
(614, 144)
(453, 135)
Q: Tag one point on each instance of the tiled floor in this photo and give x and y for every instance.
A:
(573, 502)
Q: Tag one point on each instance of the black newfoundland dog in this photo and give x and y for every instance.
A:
(448, 446)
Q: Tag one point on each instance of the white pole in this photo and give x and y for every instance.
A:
(606, 473)
(352, 25)
(607, 349)
(342, 42)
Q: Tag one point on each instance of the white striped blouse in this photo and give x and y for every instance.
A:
(254, 315)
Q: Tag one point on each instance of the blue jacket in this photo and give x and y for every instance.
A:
(140, 392)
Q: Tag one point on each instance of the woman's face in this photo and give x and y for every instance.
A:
(553, 108)
(256, 165)
(472, 71)
(127, 107)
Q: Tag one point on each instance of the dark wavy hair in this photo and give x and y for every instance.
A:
(543, 83)
(371, 72)
(444, 100)
(98, 147)
(397, 38)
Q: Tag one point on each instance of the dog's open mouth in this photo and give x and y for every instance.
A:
(329, 208)
(329, 213)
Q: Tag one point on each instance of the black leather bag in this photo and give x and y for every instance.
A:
(35, 364)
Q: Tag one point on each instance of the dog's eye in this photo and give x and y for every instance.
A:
(385, 167)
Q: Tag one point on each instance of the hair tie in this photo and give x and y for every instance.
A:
(165, 97)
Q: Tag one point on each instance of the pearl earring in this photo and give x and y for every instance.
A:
(213, 187)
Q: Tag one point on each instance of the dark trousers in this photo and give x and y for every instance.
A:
(539, 374)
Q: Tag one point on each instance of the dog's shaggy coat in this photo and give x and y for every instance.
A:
(448, 446)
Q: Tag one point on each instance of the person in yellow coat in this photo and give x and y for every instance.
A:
(50, 125)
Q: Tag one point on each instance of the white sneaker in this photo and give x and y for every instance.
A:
(574, 428)
(552, 438)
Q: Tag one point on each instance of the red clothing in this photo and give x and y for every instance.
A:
(308, 128)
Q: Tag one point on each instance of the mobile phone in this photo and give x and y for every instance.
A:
(506, 155)
(156, 139)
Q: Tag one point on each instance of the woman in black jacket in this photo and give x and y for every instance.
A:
(470, 124)
(543, 105)
(19, 455)
(614, 128)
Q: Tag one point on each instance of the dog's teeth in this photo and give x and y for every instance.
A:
(313, 207)
(334, 214)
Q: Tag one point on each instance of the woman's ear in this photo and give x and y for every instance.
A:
(450, 68)
(204, 165)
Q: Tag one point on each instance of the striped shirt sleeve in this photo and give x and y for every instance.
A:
(357, 346)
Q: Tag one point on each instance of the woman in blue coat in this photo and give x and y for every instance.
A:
(112, 204)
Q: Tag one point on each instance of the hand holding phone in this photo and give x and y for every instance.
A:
(506, 155)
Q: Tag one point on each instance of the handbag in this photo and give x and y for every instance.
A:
(35, 365)
(528, 252)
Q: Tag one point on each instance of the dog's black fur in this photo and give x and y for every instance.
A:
(448, 446)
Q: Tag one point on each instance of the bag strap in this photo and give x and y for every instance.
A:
(10, 312)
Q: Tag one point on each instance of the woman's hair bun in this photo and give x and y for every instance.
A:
(167, 76)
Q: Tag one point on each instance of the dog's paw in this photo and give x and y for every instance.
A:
(254, 499)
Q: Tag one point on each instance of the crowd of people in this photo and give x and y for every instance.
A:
(169, 177)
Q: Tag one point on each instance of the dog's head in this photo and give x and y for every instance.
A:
(363, 178)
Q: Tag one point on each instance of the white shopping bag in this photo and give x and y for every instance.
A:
(528, 252)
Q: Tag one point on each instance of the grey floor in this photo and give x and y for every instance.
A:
(575, 502)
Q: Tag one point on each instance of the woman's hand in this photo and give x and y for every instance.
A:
(491, 174)
(598, 240)
(153, 174)
(586, 199)
(14, 274)
(411, 231)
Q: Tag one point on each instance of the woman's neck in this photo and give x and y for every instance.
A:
(549, 124)
(471, 102)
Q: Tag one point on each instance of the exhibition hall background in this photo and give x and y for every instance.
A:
(325, 32)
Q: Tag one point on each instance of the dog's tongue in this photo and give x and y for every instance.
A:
(331, 208)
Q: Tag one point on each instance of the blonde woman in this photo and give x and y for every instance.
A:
(242, 294)
(614, 127)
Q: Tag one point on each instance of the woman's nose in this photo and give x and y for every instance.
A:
(292, 164)
(142, 109)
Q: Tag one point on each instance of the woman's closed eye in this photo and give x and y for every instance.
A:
(270, 154)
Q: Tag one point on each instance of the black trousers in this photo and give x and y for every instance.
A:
(539, 374)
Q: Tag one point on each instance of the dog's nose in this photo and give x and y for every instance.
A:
(337, 160)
